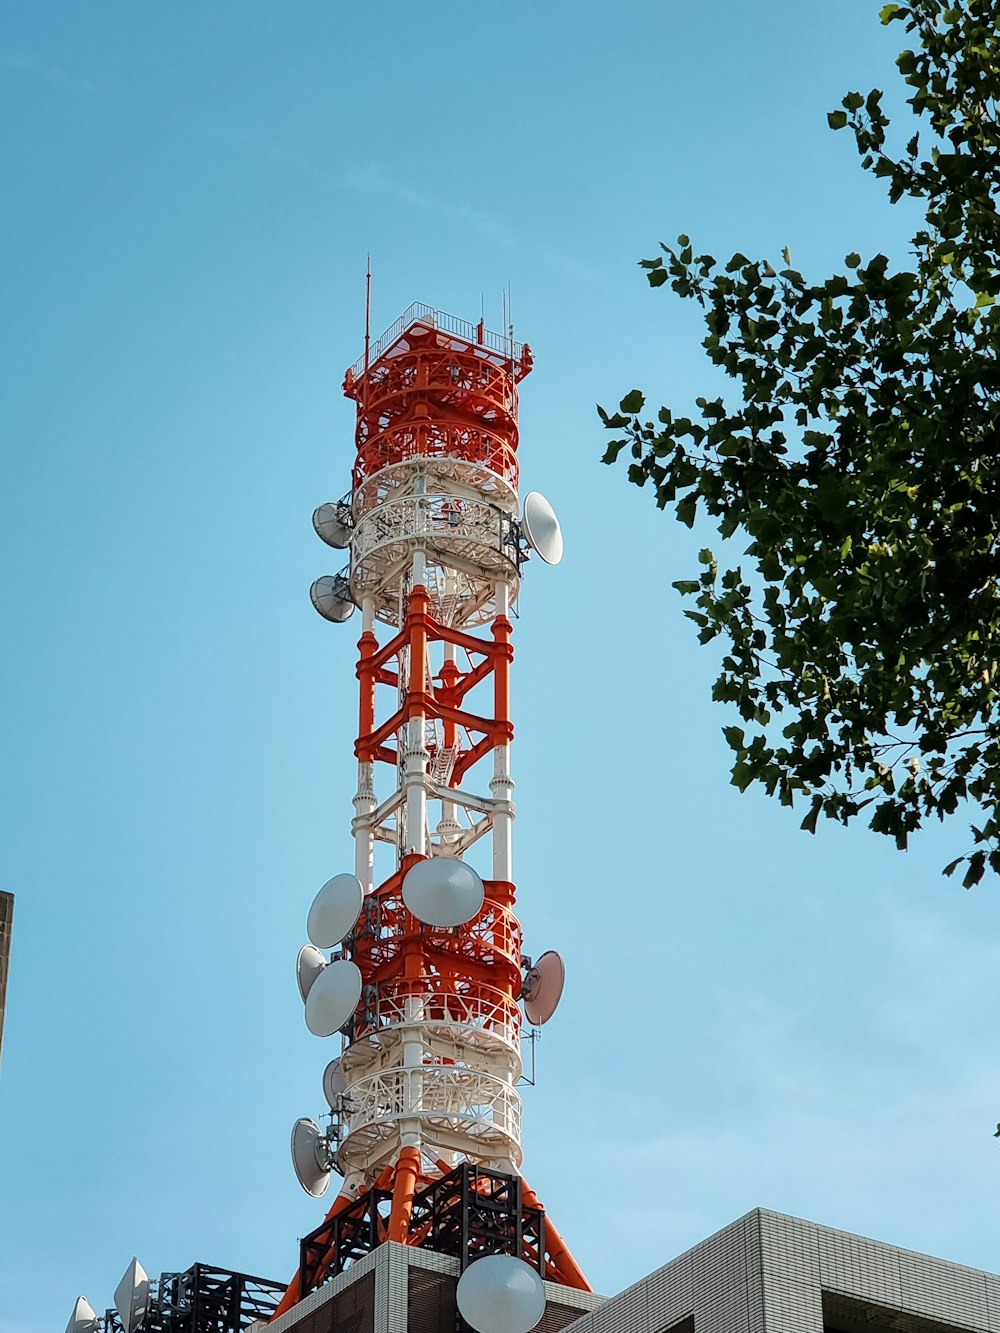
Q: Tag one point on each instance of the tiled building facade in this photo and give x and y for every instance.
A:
(768, 1273)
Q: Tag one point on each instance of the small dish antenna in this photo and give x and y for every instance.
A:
(542, 988)
(541, 527)
(132, 1296)
(83, 1319)
(334, 1084)
(443, 891)
(333, 522)
(500, 1294)
(309, 964)
(333, 997)
(311, 1157)
(335, 910)
(331, 596)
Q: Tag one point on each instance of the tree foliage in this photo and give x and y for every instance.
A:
(859, 454)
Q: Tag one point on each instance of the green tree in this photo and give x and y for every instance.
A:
(859, 455)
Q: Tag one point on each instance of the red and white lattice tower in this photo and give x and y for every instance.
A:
(425, 1088)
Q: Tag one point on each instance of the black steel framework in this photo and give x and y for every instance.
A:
(468, 1213)
(204, 1300)
(341, 1240)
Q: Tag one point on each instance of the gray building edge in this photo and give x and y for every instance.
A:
(770, 1273)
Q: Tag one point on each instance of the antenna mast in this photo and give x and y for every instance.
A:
(423, 988)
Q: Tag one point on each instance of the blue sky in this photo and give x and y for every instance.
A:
(752, 1016)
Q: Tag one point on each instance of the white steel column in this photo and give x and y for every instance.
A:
(364, 800)
(415, 756)
(502, 784)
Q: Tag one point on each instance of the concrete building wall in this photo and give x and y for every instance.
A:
(770, 1273)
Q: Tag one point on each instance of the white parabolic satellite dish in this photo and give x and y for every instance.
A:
(310, 1157)
(443, 891)
(334, 1083)
(132, 1296)
(83, 1319)
(500, 1294)
(331, 596)
(333, 997)
(335, 910)
(309, 964)
(329, 522)
(541, 527)
(543, 988)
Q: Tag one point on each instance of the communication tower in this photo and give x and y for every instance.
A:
(426, 977)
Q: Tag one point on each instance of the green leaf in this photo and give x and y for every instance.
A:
(836, 120)
(686, 586)
(633, 402)
(977, 864)
(809, 823)
(888, 12)
(734, 737)
(853, 259)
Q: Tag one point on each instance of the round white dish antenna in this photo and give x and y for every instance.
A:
(335, 910)
(309, 964)
(334, 1084)
(542, 988)
(541, 527)
(83, 1319)
(443, 891)
(333, 523)
(331, 596)
(333, 997)
(500, 1294)
(132, 1296)
(311, 1157)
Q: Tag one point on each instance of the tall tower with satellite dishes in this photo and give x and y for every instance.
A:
(415, 962)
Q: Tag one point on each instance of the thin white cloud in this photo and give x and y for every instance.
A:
(370, 180)
(293, 158)
(54, 75)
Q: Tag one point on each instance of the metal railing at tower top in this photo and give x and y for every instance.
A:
(476, 334)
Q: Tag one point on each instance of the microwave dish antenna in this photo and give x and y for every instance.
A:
(542, 988)
(334, 1084)
(83, 1319)
(132, 1296)
(335, 910)
(331, 596)
(443, 891)
(541, 528)
(500, 1294)
(334, 523)
(311, 1157)
(309, 964)
(333, 998)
